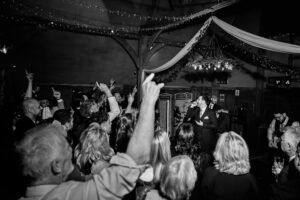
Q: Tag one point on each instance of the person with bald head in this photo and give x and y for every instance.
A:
(290, 189)
(31, 111)
(289, 142)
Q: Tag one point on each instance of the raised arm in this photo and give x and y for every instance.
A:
(57, 96)
(29, 77)
(130, 100)
(286, 119)
(270, 133)
(140, 143)
(113, 104)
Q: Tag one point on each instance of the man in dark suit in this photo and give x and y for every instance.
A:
(205, 123)
(222, 115)
(289, 189)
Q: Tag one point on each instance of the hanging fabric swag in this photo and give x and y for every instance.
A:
(244, 36)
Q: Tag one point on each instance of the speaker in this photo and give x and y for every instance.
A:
(165, 112)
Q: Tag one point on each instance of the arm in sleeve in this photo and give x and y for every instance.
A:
(119, 178)
(271, 130)
(114, 108)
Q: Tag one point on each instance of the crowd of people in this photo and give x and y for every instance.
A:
(98, 149)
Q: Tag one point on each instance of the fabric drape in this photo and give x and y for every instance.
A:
(246, 37)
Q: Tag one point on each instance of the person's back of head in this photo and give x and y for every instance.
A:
(178, 178)
(160, 152)
(232, 154)
(93, 147)
(45, 155)
(186, 131)
(63, 116)
(124, 131)
(86, 108)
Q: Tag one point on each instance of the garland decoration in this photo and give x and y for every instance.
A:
(240, 50)
(35, 15)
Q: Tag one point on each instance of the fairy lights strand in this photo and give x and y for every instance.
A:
(38, 12)
(127, 14)
(191, 17)
(129, 28)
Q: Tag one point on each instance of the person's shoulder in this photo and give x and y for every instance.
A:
(24, 119)
(287, 190)
(211, 171)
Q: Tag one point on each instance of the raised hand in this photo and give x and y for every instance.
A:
(103, 87)
(130, 98)
(112, 84)
(134, 90)
(151, 90)
(56, 93)
(29, 76)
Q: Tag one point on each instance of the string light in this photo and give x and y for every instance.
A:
(126, 14)
(46, 18)
(95, 28)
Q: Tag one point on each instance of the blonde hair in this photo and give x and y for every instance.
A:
(93, 146)
(232, 154)
(178, 178)
(160, 153)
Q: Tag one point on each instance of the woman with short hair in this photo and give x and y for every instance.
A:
(230, 178)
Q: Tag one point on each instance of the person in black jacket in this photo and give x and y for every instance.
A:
(230, 177)
(289, 189)
(205, 121)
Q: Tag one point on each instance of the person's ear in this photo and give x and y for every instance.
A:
(56, 166)
(30, 110)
